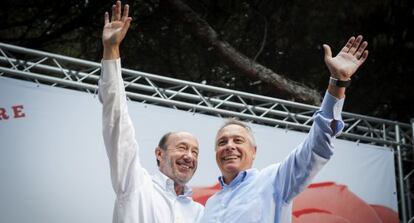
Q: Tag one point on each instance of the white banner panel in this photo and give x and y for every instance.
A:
(53, 165)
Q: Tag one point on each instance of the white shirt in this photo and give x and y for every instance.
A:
(140, 198)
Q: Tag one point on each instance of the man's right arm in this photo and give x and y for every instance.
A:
(118, 131)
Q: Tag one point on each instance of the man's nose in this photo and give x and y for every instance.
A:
(230, 145)
(188, 156)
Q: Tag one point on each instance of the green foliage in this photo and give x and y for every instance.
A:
(285, 36)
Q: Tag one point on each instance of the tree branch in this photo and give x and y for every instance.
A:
(236, 60)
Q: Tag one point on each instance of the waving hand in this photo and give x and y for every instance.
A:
(114, 30)
(348, 60)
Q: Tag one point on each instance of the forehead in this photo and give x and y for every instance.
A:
(232, 130)
(182, 138)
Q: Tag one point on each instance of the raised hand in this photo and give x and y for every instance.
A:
(114, 30)
(348, 60)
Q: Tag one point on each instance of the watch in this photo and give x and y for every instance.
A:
(339, 83)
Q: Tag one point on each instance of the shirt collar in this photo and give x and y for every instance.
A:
(168, 184)
(241, 176)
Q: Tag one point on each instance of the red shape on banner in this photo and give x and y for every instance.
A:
(341, 203)
(319, 218)
(324, 202)
(201, 194)
(386, 214)
(310, 210)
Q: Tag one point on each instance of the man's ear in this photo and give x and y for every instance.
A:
(254, 152)
(158, 153)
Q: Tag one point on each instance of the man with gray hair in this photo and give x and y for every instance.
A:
(140, 197)
(249, 195)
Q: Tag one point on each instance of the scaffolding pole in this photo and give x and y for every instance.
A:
(400, 176)
(408, 181)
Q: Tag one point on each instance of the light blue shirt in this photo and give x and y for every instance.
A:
(266, 195)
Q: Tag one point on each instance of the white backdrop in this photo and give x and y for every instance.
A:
(53, 165)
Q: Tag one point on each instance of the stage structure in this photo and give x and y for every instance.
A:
(67, 72)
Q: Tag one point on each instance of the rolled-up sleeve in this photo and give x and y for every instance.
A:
(303, 163)
(329, 112)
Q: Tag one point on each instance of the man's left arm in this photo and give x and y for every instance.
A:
(299, 168)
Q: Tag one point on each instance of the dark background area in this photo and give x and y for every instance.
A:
(285, 36)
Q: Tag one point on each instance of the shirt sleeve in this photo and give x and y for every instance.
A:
(118, 131)
(296, 171)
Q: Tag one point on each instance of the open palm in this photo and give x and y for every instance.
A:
(114, 31)
(348, 60)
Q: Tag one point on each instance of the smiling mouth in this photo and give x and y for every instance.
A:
(230, 158)
(184, 166)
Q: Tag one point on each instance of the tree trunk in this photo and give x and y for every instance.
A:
(236, 60)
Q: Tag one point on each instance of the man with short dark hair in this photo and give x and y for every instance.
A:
(249, 195)
(141, 198)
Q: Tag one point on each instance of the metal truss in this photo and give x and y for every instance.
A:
(67, 72)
